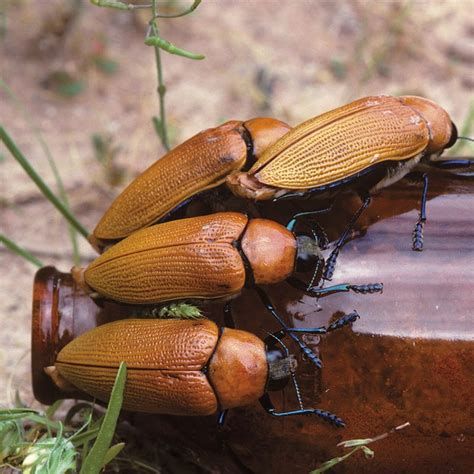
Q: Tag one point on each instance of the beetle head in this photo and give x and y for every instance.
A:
(281, 365)
(454, 136)
(308, 254)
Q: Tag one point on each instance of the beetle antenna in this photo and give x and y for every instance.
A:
(303, 346)
(317, 266)
(287, 352)
(297, 388)
(466, 138)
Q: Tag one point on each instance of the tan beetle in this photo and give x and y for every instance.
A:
(208, 258)
(200, 163)
(365, 145)
(180, 367)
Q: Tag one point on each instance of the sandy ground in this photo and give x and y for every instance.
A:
(291, 60)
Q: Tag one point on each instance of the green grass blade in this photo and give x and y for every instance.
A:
(42, 420)
(112, 452)
(51, 162)
(95, 459)
(22, 252)
(15, 413)
(52, 409)
(25, 164)
(83, 438)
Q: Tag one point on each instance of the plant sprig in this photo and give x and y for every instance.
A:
(154, 39)
(358, 445)
(34, 442)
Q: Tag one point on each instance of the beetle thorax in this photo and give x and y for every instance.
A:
(270, 250)
(238, 369)
(437, 120)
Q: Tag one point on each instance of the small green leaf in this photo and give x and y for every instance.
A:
(112, 452)
(83, 438)
(10, 437)
(110, 4)
(180, 311)
(51, 455)
(171, 311)
(369, 454)
(350, 443)
(165, 45)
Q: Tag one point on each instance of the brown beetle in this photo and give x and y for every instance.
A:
(365, 145)
(202, 162)
(209, 257)
(179, 367)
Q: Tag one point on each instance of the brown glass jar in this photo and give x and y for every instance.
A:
(410, 357)
(61, 312)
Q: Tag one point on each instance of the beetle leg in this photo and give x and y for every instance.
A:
(337, 324)
(271, 309)
(221, 417)
(417, 235)
(330, 290)
(451, 164)
(292, 222)
(268, 406)
(331, 261)
(228, 318)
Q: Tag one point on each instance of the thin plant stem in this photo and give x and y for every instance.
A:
(52, 165)
(22, 252)
(44, 188)
(161, 85)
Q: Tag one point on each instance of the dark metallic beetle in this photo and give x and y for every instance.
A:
(208, 258)
(365, 145)
(180, 367)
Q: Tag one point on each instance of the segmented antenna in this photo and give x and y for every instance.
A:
(318, 264)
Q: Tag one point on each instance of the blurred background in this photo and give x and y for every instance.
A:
(80, 78)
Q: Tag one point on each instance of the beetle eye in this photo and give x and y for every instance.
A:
(454, 136)
(306, 262)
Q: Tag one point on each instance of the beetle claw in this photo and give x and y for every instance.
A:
(417, 236)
